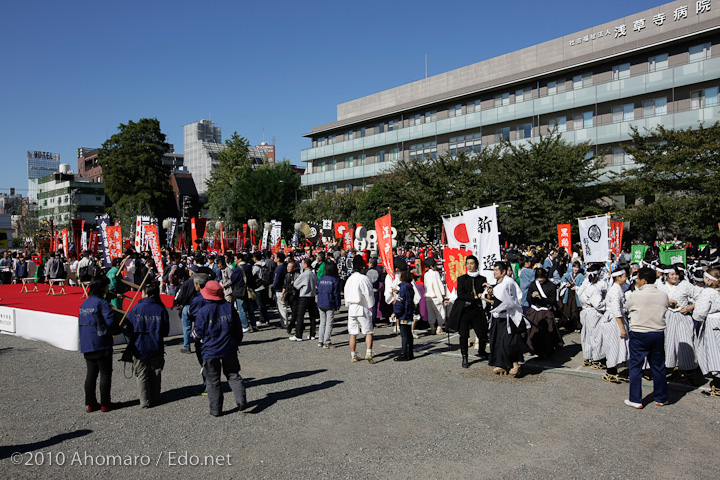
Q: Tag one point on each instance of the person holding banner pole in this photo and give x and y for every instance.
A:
(614, 328)
(467, 310)
(507, 323)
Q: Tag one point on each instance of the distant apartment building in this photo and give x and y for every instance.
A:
(63, 196)
(39, 164)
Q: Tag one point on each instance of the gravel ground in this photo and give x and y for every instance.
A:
(314, 414)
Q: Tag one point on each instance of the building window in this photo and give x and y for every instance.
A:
(556, 86)
(523, 94)
(582, 80)
(322, 141)
(350, 135)
(414, 120)
(333, 188)
(361, 159)
(381, 127)
(362, 132)
(559, 122)
(699, 52)
(588, 119)
(422, 150)
(502, 99)
(381, 156)
(623, 113)
(473, 106)
(619, 157)
(621, 71)
(657, 106)
(658, 62)
(349, 162)
(348, 187)
(471, 142)
(392, 125)
(394, 154)
(502, 134)
(321, 167)
(704, 98)
(431, 116)
(524, 130)
(455, 110)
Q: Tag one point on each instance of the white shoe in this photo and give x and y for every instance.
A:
(246, 330)
(415, 335)
(312, 338)
(295, 339)
(633, 404)
(439, 331)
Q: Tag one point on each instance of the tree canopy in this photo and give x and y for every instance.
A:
(136, 181)
(674, 187)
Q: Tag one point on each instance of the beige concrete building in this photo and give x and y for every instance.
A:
(657, 67)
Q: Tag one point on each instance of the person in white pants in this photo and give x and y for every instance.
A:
(435, 295)
(359, 298)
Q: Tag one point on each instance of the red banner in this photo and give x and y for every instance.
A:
(193, 232)
(153, 241)
(383, 230)
(114, 238)
(348, 239)
(93, 242)
(454, 260)
(564, 236)
(340, 228)
(222, 239)
(616, 233)
(66, 247)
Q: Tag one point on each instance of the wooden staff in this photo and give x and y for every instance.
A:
(135, 297)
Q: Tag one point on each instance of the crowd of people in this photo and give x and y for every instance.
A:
(648, 317)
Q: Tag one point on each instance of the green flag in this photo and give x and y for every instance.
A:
(666, 246)
(671, 257)
(702, 246)
(638, 253)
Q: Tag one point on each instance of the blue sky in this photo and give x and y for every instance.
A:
(71, 72)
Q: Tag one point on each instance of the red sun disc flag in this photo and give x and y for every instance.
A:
(383, 229)
(564, 236)
(153, 241)
(461, 233)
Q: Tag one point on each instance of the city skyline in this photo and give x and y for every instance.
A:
(73, 78)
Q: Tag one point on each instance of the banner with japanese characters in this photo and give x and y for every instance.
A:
(140, 224)
(275, 233)
(564, 236)
(454, 266)
(595, 238)
(671, 257)
(384, 240)
(103, 223)
(484, 238)
(153, 243)
(327, 230)
(616, 233)
(340, 228)
(638, 253)
(170, 232)
(84, 240)
(114, 236)
(66, 247)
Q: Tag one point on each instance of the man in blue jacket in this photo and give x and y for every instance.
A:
(150, 323)
(218, 326)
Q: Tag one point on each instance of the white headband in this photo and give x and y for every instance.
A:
(617, 273)
(710, 276)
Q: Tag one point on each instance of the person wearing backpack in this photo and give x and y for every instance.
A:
(240, 283)
(263, 280)
(85, 267)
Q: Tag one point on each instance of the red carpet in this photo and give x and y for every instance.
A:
(11, 296)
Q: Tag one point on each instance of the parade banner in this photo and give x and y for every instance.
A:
(384, 240)
(327, 228)
(66, 247)
(193, 232)
(564, 236)
(170, 232)
(264, 242)
(114, 237)
(456, 231)
(638, 253)
(454, 265)
(671, 257)
(93, 242)
(595, 238)
(616, 233)
(222, 238)
(340, 229)
(103, 223)
(348, 240)
(295, 239)
(77, 231)
(315, 233)
(275, 232)
(84, 240)
(153, 242)
(484, 238)
(140, 223)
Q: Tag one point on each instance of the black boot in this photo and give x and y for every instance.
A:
(465, 361)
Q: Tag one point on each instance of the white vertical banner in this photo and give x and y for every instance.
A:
(595, 238)
(84, 240)
(484, 238)
(328, 234)
(456, 231)
(264, 242)
(140, 222)
(275, 232)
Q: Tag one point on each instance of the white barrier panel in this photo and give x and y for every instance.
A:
(61, 331)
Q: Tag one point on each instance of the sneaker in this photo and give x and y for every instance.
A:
(263, 324)
(312, 337)
(93, 408)
(329, 345)
(633, 404)
(320, 344)
(247, 330)
(439, 331)
(370, 360)
(415, 335)
(295, 339)
(659, 404)
(108, 408)
(355, 359)
(185, 350)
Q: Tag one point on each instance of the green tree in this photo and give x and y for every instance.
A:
(542, 184)
(136, 181)
(233, 163)
(675, 184)
(339, 207)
